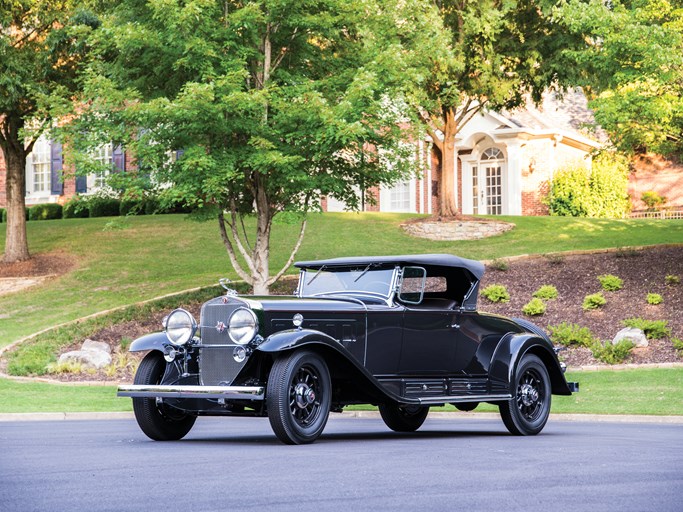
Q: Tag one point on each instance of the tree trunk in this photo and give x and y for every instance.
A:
(16, 242)
(447, 207)
(264, 222)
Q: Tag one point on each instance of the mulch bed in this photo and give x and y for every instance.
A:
(642, 271)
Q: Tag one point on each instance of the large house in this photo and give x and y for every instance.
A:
(505, 162)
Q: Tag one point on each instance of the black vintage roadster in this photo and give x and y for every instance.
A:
(400, 332)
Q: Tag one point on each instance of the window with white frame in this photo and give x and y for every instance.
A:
(399, 197)
(38, 168)
(103, 156)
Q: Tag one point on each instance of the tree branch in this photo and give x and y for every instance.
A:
(249, 258)
(231, 251)
(292, 255)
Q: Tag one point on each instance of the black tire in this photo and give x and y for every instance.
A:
(527, 412)
(158, 421)
(406, 418)
(298, 397)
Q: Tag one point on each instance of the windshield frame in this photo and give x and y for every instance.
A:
(312, 273)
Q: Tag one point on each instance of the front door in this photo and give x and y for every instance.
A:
(487, 183)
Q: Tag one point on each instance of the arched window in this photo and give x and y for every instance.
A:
(492, 154)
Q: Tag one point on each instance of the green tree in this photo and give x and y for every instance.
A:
(496, 53)
(631, 65)
(268, 105)
(41, 48)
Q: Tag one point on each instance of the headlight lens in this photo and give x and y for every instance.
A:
(180, 327)
(242, 326)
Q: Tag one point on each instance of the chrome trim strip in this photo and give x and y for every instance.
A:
(462, 399)
(229, 392)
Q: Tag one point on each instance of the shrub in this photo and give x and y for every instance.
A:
(3, 215)
(546, 292)
(612, 354)
(152, 206)
(104, 207)
(534, 307)
(653, 329)
(496, 293)
(576, 191)
(594, 301)
(76, 208)
(554, 258)
(654, 299)
(45, 211)
(131, 207)
(672, 279)
(677, 343)
(653, 200)
(610, 283)
(571, 334)
(499, 264)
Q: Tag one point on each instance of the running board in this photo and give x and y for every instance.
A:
(433, 400)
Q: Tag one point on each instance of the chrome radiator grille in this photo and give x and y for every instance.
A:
(217, 367)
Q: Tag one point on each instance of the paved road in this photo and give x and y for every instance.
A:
(237, 464)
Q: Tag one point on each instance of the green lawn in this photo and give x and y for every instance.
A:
(639, 391)
(155, 255)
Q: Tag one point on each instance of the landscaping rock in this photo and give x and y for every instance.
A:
(96, 345)
(94, 354)
(636, 336)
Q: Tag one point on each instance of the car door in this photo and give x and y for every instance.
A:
(430, 341)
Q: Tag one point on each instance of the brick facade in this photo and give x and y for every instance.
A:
(654, 173)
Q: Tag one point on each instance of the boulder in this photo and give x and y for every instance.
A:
(94, 354)
(636, 336)
(96, 345)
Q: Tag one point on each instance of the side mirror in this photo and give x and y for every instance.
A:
(413, 282)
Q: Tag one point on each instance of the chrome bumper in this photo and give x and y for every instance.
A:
(226, 392)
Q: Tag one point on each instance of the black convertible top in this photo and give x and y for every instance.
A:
(476, 268)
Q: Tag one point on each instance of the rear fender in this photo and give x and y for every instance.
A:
(513, 347)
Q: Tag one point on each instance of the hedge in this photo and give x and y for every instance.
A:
(45, 211)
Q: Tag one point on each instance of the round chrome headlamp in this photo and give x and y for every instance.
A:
(180, 327)
(242, 326)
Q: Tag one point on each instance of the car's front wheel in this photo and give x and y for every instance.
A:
(298, 398)
(403, 418)
(527, 412)
(157, 420)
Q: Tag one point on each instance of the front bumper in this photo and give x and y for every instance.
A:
(225, 392)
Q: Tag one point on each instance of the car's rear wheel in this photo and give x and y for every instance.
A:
(157, 420)
(527, 412)
(407, 418)
(298, 398)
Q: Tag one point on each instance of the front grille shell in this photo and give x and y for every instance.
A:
(217, 367)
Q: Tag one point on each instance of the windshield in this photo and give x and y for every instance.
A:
(357, 280)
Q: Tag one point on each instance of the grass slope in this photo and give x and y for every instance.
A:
(155, 255)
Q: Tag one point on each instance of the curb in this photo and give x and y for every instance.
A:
(354, 415)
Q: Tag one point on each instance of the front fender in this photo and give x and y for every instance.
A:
(154, 341)
(513, 347)
(294, 338)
